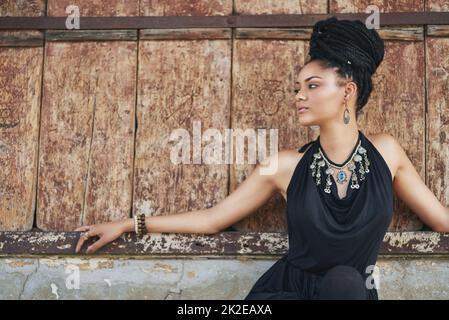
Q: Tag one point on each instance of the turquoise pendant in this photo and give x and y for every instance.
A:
(341, 176)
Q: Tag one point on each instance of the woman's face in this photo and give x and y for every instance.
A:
(318, 90)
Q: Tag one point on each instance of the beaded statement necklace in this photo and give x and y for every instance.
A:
(320, 160)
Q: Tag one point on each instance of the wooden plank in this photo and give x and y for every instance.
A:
(83, 35)
(180, 83)
(402, 33)
(280, 6)
(274, 33)
(95, 8)
(263, 75)
(185, 8)
(437, 31)
(87, 134)
(32, 38)
(29, 8)
(386, 33)
(347, 6)
(437, 77)
(20, 82)
(229, 245)
(185, 34)
(397, 107)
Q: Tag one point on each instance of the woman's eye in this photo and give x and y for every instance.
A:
(297, 90)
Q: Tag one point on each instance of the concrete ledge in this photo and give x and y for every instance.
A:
(120, 278)
(232, 243)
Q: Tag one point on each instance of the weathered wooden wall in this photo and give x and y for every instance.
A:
(84, 125)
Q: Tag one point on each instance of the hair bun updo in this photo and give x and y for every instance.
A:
(345, 40)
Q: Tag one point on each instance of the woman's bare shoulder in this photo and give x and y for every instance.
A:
(288, 160)
(385, 144)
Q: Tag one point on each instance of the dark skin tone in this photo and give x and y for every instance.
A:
(325, 96)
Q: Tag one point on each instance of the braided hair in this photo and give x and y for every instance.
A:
(352, 48)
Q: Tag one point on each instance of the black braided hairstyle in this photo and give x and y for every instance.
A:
(351, 47)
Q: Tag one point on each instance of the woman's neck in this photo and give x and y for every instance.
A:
(338, 141)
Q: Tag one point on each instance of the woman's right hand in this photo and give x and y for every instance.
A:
(107, 232)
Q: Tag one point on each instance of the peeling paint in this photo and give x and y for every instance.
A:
(224, 243)
(420, 242)
(18, 263)
(83, 264)
(161, 267)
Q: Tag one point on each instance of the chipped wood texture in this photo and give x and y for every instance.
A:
(185, 34)
(397, 107)
(185, 8)
(349, 6)
(87, 134)
(438, 31)
(20, 82)
(263, 74)
(31, 38)
(250, 7)
(402, 33)
(438, 117)
(23, 8)
(95, 8)
(437, 5)
(391, 33)
(180, 83)
(274, 33)
(229, 244)
(83, 35)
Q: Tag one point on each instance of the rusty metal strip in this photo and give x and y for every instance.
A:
(232, 21)
(224, 243)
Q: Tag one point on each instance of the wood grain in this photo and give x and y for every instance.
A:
(180, 83)
(22, 8)
(263, 76)
(185, 8)
(437, 77)
(87, 134)
(20, 82)
(95, 8)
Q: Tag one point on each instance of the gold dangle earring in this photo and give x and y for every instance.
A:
(346, 116)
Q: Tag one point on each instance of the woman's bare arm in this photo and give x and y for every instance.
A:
(248, 197)
(186, 222)
(411, 189)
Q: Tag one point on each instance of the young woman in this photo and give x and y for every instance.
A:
(339, 187)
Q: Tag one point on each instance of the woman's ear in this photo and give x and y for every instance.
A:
(350, 90)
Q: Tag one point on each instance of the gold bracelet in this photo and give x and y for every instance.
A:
(141, 227)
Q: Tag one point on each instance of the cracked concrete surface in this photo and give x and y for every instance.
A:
(196, 278)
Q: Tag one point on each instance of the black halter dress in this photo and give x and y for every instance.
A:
(325, 230)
